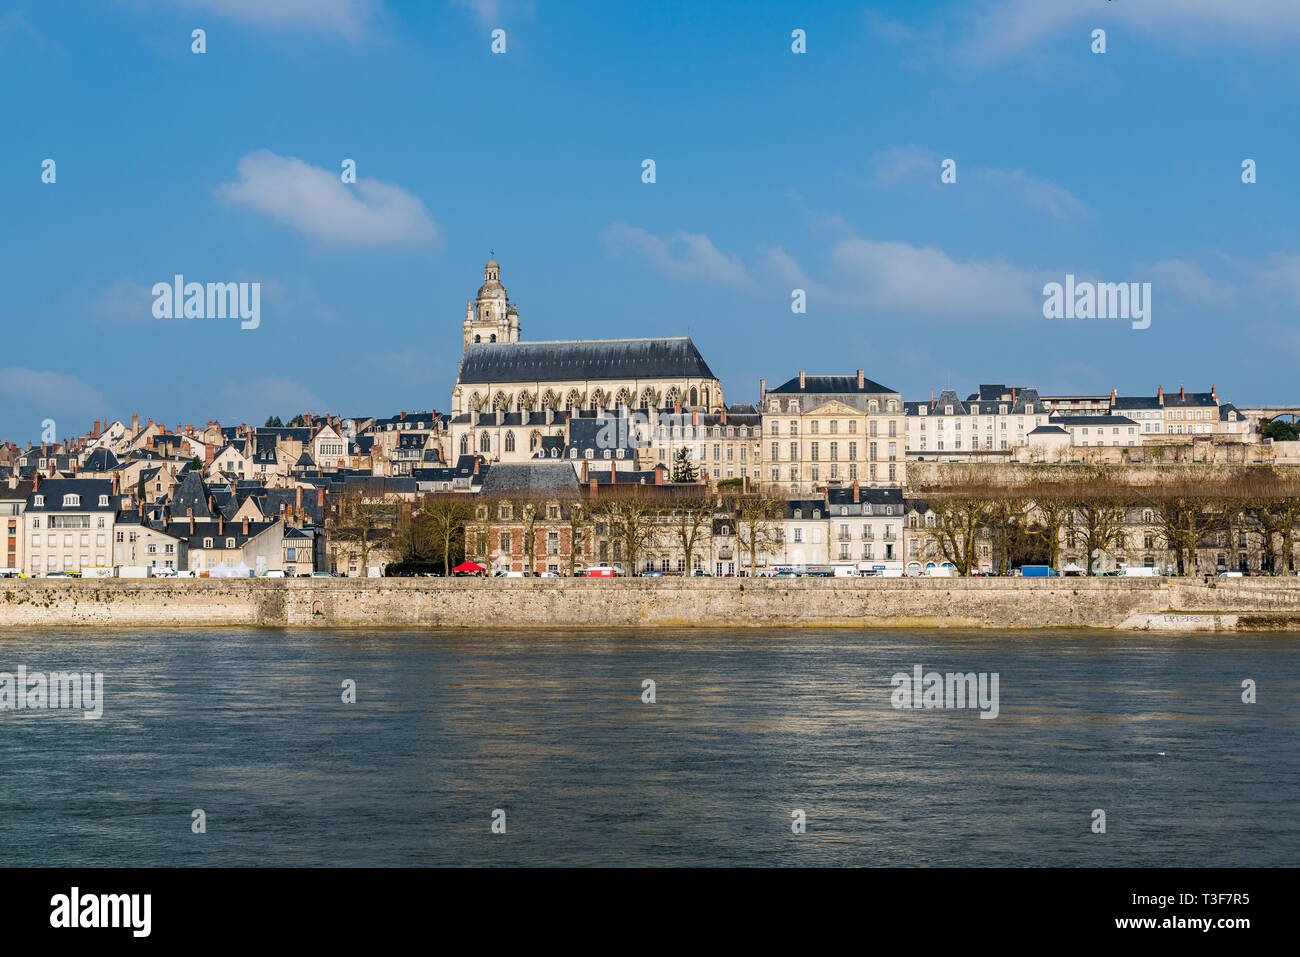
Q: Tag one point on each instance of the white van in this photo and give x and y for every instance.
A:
(844, 571)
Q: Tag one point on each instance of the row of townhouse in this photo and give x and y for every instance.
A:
(539, 518)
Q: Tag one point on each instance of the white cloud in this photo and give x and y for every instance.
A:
(926, 282)
(896, 165)
(50, 393)
(256, 399)
(681, 256)
(348, 18)
(1042, 193)
(1006, 27)
(127, 300)
(488, 12)
(317, 203)
(1188, 282)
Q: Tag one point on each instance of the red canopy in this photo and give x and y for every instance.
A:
(468, 567)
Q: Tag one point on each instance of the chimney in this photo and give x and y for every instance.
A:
(36, 481)
(402, 415)
(1182, 392)
(724, 415)
(297, 504)
(659, 475)
(221, 523)
(801, 379)
(584, 472)
(695, 416)
(51, 470)
(42, 447)
(593, 486)
(856, 493)
(190, 513)
(320, 498)
(1113, 394)
(135, 424)
(1213, 395)
(677, 407)
(209, 453)
(245, 524)
(861, 384)
(116, 484)
(1160, 395)
(613, 470)
(476, 465)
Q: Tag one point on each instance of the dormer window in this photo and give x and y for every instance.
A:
(605, 454)
(817, 513)
(1029, 410)
(207, 543)
(103, 501)
(974, 410)
(230, 543)
(947, 410)
(38, 501)
(798, 513)
(71, 501)
(844, 510)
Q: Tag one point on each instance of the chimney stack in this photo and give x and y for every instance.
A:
(245, 524)
(659, 475)
(320, 498)
(1160, 395)
(135, 424)
(593, 486)
(861, 382)
(613, 471)
(856, 493)
(695, 416)
(190, 513)
(801, 380)
(762, 390)
(1182, 392)
(584, 472)
(724, 415)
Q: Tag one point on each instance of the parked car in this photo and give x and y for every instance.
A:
(274, 573)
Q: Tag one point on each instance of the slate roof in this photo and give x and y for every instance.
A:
(871, 501)
(533, 478)
(1091, 420)
(830, 385)
(89, 489)
(192, 492)
(564, 360)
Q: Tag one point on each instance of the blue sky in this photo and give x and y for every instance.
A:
(775, 171)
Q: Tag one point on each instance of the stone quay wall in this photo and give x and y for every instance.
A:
(1006, 603)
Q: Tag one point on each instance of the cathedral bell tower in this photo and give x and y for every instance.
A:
(490, 316)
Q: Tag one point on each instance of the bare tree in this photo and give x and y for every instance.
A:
(447, 516)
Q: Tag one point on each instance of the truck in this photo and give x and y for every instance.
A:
(885, 568)
(1038, 571)
(134, 571)
(97, 571)
(1140, 571)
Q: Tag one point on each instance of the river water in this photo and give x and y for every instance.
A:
(747, 728)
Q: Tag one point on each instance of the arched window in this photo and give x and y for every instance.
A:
(533, 441)
(464, 444)
(647, 397)
(477, 337)
(510, 441)
(485, 442)
(706, 398)
(695, 396)
(492, 338)
(573, 401)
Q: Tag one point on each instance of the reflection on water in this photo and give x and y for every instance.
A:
(747, 727)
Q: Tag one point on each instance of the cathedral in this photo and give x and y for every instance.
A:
(511, 394)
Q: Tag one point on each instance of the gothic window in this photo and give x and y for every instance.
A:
(647, 398)
(573, 400)
(533, 441)
(492, 338)
(485, 442)
(623, 399)
(510, 441)
(477, 337)
(695, 396)
(464, 444)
